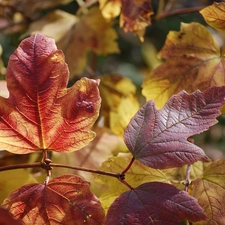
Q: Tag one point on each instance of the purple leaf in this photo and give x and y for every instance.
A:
(158, 138)
(154, 203)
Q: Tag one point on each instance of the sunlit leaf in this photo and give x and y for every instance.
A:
(158, 138)
(193, 61)
(110, 8)
(3, 89)
(119, 103)
(12, 179)
(210, 192)
(154, 203)
(135, 16)
(41, 113)
(214, 15)
(7, 219)
(136, 175)
(92, 32)
(65, 200)
(55, 24)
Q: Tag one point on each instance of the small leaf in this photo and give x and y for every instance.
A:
(110, 8)
(154, 203)
(135, 16)
(158, 138)
(193, 61)
(214, 15)
(41, 113)
(65, 200)
(7, 219)
(210, 192)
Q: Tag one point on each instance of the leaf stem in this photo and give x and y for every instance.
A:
(119, 176)
(187, 178)
(128, 167)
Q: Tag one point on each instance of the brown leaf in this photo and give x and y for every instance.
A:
(135, 16)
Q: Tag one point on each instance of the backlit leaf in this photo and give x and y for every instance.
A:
(210, 192)
(214, 15)
(65, 200)
(110, 8)
(41, 113)
(135, 16)
(158, 138)
(154, 203)
(193, 61)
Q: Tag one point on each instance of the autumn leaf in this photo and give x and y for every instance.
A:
(158, 138)
(135, 16)
(119, 103)
(3, 89)
(214, 15)
(64, 200)
(6, 218)
(92, 32)
(193, 61)
(154, 203)
(110, 8)
(210, 192)
(41, 113)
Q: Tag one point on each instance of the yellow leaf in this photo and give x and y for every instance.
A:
(193, 61)
(55, 24)
(110, 8)
(119, 103)
(210, 192)
(125, 111)
(214, 15)
(13, 179)
(136, 175)
(92, 32)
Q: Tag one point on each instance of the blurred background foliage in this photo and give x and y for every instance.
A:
(133, 59)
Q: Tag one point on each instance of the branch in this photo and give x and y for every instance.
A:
(119, 176)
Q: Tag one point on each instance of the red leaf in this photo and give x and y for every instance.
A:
(65, 200)
(7, 219)
(154, 203)
(41, 113)
(158, 138)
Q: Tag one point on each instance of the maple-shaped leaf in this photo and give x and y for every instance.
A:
(154, 203)
(210, 192)
(214, 15)
(41, 113)
(193, 61)
(158, 138)
(7, 218)
(135, 16)
(64, 200)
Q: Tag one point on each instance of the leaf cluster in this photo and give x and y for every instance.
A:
(136, 161)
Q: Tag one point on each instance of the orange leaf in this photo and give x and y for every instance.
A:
(193, 61)
(65, 200)
(214, 15)
(135, 16)
(41, 113)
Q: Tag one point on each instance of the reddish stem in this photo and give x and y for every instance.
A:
(128, 167)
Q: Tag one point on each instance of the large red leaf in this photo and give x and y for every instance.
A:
(154, 203)
(41, 113)
(158, 138)
(65, 200)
